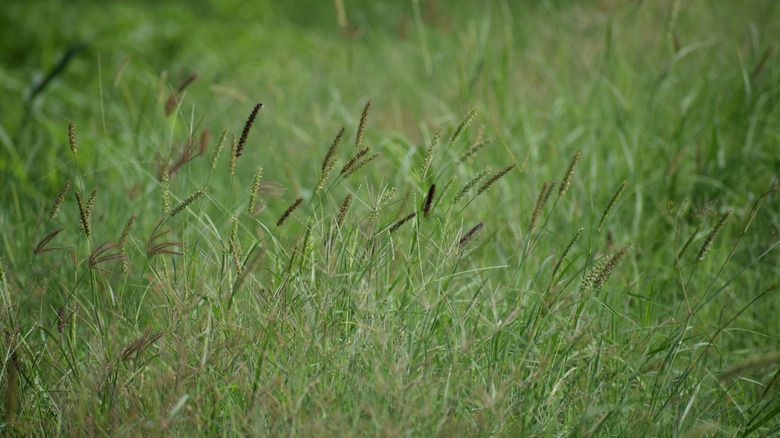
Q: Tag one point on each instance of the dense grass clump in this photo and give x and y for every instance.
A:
(550, 219)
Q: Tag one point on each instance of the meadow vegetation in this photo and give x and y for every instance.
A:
(418, 218)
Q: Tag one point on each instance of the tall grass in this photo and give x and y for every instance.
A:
(583, 247)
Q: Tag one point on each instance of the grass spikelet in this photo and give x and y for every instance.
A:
(381, 203)
(351, 162)
(429, 200)
(288, 212)
(234, 245)
(255, 186)
(593, 274)
(55, 209)
(189, 200)
(705, 247)
(471, 183)
(41, 246)
(344, 209)
(99, 255)
(429, 155)
(153, 249)
(218, 150)
(463, 125)
(91, 202)
(566, 182)
(611, 204)
(138, 346)
(403, 221)
(247, 127)
(362, 125)
(72, 137)
(465, 239)
(233, 156)
(64, 316)
(324, 177)
(540, 201)
(326, 163)
(84, 214)
(362, 163)
(166, 194)
(566, 251)
(123, 241)
(611, 264)
(495, 178)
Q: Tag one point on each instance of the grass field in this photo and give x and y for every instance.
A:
(540, 218)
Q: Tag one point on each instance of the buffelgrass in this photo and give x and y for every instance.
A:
(432, 290)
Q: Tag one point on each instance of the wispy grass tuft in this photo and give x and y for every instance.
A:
(153, 249)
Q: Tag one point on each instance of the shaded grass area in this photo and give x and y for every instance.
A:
(634, 314)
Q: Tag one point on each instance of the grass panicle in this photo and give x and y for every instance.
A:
(347, 168)
(609, 267)
(566, 252)
(83, 213)
(362, 126)
(406, 219)
(165, 197)
(471, 183)
(91, 202)
(540, 201)
(123, 241)
(233, 156)
(593, 274)
(343, 210)
(188, 200)
(255, 187)
(464, 123)
(72, 138)
(465, 239)
(361, 163)
(380, 204)
(247, 126)
(153, 249)
(429, 200)
(705, 246)
(40, 247)
(330, 155)
(140, 344)
(429, 155)
(55, 209)
(218, 150)
(102, 254)
(484, 187)
(65, 315)
(288, 212)
(611, 204)
(566, 182)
